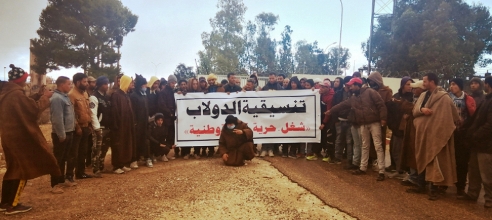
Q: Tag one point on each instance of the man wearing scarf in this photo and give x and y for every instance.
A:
(236, 142)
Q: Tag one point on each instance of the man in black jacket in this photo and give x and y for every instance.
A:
(479, 167)
(101, 109)
(232, 86)
(141, 115)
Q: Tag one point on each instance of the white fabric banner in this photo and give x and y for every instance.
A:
(274, 116)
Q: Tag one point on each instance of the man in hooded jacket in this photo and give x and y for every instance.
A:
(375, 81)
(141, 111)
(236, 142)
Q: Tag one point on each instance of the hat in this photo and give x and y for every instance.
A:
(354, 80)
(125, 82)
(139, 81)
(346, 79)
(310, 81)
(404, 81)
(17, 74)
(91, 79)
(419, 84)
(172, 78)
(152, 80)
(101, 81)
(326, 83)
(211, 76)
(224, 81)
(356, 74)
(317, 80)
(459, 82)
(231, 120)
(202, 79)
(158, 116)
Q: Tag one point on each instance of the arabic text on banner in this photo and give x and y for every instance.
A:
(274, 116)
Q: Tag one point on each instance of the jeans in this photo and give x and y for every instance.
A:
(413, 176)
(63, 153)
(80, 145)
(293, 149)
(344, 134)
(367, 131)
(480, 173)
(355, 130)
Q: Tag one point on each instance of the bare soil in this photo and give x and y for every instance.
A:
(179, 189)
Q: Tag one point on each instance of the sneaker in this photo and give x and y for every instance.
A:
(172, 158)
(164, 158)
(118, 171)
(149, 163)
(284, 155)
(196, 156)
(67, 183)
(292, 156)
(134, 165)
(270, 153)
(359, 172)
(326, 159)
(97, 174)
(70, 179)
(3, 207)
(380, 177)
(126, 169)
(466, 197)
(336, 161)
(263, 153)
(57, 189)
(433, 196)
(257, 154)
(312, 158)
(186, 157)
(407, 183)
(17, 209)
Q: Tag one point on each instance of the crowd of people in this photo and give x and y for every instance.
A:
(438, 138)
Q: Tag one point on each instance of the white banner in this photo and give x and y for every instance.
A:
(274, 116)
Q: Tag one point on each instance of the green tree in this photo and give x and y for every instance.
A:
(286, 59)
(265, 50)
(224, 45)
(310, 59)
(78, 33)
(184, 72)
(448, 37)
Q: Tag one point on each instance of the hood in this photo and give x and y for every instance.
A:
(376, 77)
(152, 80)
(7, 88)
(125, 83)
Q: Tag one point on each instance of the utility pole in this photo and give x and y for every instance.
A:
(384, 8)
(340, 40)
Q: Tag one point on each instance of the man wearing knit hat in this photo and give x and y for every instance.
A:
(29, 158)
(167, 106)
(141, 113)
(92, 85)
(101, 120)
(466, 107)
(123, 146)
(476, 90)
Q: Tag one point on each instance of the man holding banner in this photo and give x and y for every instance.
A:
(236, 142)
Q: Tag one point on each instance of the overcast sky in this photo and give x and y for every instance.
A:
(168, 32)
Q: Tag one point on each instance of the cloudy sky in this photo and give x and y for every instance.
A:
(168, 31)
